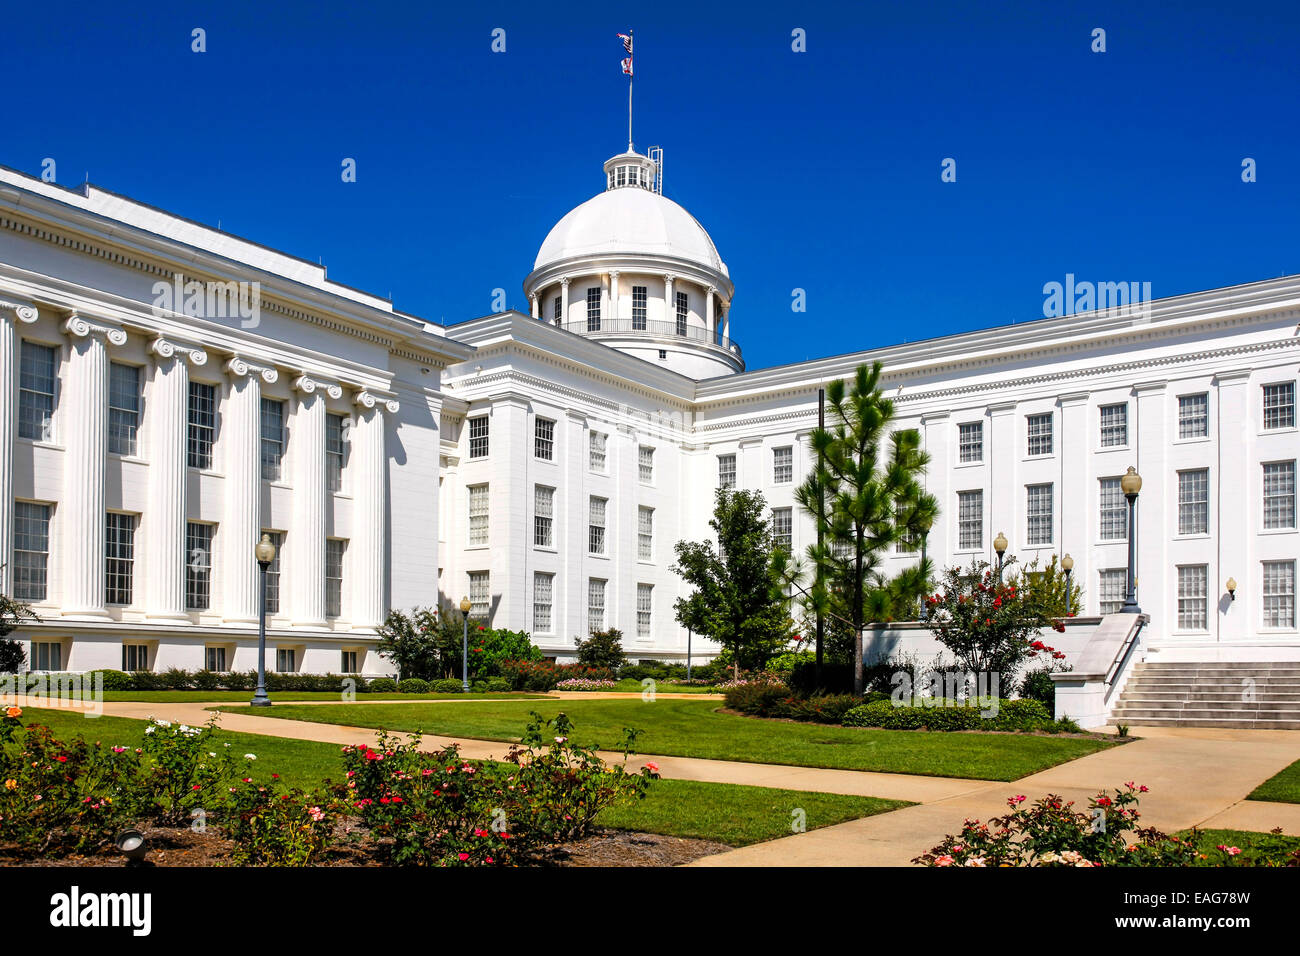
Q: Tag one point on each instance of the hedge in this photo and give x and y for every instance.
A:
(1011, 715)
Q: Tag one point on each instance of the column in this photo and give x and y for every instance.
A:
(726, 323)
(1006, 494)
(82, 511)
(168, 424)
(605, 313)
(306, 538)
(942, 539)
(1234, 508)
(10, 314)
(367, 557)
(668, 302)
(613, 294)
(533, 303)
(564, 302)
(711, 332)
(1077, 492)
(1157, 582)
(241, 529)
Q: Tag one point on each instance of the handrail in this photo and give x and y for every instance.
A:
(658, 328)
(1121, 657)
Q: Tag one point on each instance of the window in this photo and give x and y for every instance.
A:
(596, 450)
(1038, 514)
(970, 442)
(1192, 582)
(336, 450)
(123, 408)
(557, 310)
(36, 378)
(663, 355)
(543, 516)
(595, 605)
(478, 437)
(638, 308)
(783, 528)
(1279, 594)
(543, 588)
(1194, 501)
(970, 520)
(683, 309)
(214, 658)
(726, 471)
(273, 573)
(1279, 405)
(119, 558)
(202, 424)
(1110, 590)
(47, 656)
(645, 533)
(31, 551)
(135, 657)
(782, 465)
(544, 439)
(593, 309)
(478, 515)
(1114, 425)
(644, 605)
(335, 548)
(272, 438)
(198, 566)
(1114, 520)
(645, 464)
(596, 525)
(1193, 416)
(348, 663)
(286, 660)
(1039, 430)
(480, 594)
(1279, 494)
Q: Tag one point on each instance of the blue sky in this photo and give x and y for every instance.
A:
(816, 170)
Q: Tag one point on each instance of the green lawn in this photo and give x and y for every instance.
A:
(243, 696)
(1251, 843)
(690, 728)
(663, 687)
(726, 813)
(1283, 787)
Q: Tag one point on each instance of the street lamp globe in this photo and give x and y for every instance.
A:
(466, 605)
(1131, 482)
(1000, 544)
(1067, 563)
(265, 550)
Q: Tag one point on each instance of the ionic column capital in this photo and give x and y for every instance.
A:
(20, 311)
(166, 348)
(78, 326)
(307, 385)
(368, 399)
(238, 368)
(565, 282)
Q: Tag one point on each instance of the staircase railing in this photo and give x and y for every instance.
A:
(1120, 663)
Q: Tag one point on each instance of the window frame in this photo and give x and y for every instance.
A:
(198, 575)
(123, 422)
(1104, 426)
(201, 434)
(33, 400)
(119, 558)
(967, 445)
(31, 575)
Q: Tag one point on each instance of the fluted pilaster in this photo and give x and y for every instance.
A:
(11, 313)
(306, 542)
(369, 546)
(241, 529)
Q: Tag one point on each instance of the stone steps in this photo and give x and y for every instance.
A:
(1246, 695)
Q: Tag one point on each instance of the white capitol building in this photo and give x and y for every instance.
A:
(546, 464)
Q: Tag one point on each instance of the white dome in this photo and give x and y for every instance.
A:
(630, 221)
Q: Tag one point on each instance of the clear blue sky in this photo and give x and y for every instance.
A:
(816, 170)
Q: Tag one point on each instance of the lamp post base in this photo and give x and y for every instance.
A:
(1130, 609)
(260, 702)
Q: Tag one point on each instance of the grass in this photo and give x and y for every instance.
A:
(1282, 787)
(725, 813)
(631, 685)
(1252, 844)
(243, 696)
(689, 728)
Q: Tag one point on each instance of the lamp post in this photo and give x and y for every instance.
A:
(925, 533)
(265, 553)
(465, 607)
(1000, 546)
(1067, 565)
(1131, 484)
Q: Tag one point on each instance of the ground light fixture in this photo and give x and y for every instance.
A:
(132, 845)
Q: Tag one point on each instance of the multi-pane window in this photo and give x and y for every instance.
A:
(480, 594)
(683, 309)
(1194, 416)
(596, 450)
(596, 525)
(557, 310)
(214, 658)
(783, 465)
(1110, 590)
(1194, 501)
(543, 516)
(478, 514)
(644, 606)
(544, 439)
(198, 566)
(1038, 514)
(593, 309)
(645, 461)
(335, 549)
(970, 520)
(1193, 580)
(123, 408)
(1279, 405)
(36, 377)
(31, 551)
(348, 663)
(645, 533)
(119, 558)
(970, 442)
(543, 589)
(286, 660)
(1113, 523)
(336, 449)
(273, 573)
(783, 528)
(1039, 430)
(272, 438)
(1279, 494)
(638, 308)
(202, 424)
(1279, 594)
(1114, 425)
(595, 604)
(47, 656)
(478, 436)
(135, 657)
(726, 471)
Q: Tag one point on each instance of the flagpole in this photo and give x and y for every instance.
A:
(630, 77)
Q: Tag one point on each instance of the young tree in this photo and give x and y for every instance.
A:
(738, 600)
(417, 643)
(13, 614)
(865, 496)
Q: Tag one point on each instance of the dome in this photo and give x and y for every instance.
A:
(630, 221)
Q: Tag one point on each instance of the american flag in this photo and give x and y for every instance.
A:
(627, 41)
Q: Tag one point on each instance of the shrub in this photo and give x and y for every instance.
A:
(446, 686)
(382, 685)
(530, 675)
(491, 648)
(821, 709)
(186, 770)
(835, 679)
(175, 679)
(114, 680)
(206, 680)
(413, 685)
(757, 699)
(13, 658)
(1011, 715)
(495, 685)
(1038, 685)
(603, 649)
(274, 827)
(584, 683)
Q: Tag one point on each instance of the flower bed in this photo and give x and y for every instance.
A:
(585, 683)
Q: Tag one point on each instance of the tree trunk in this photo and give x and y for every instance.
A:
(857, 663)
